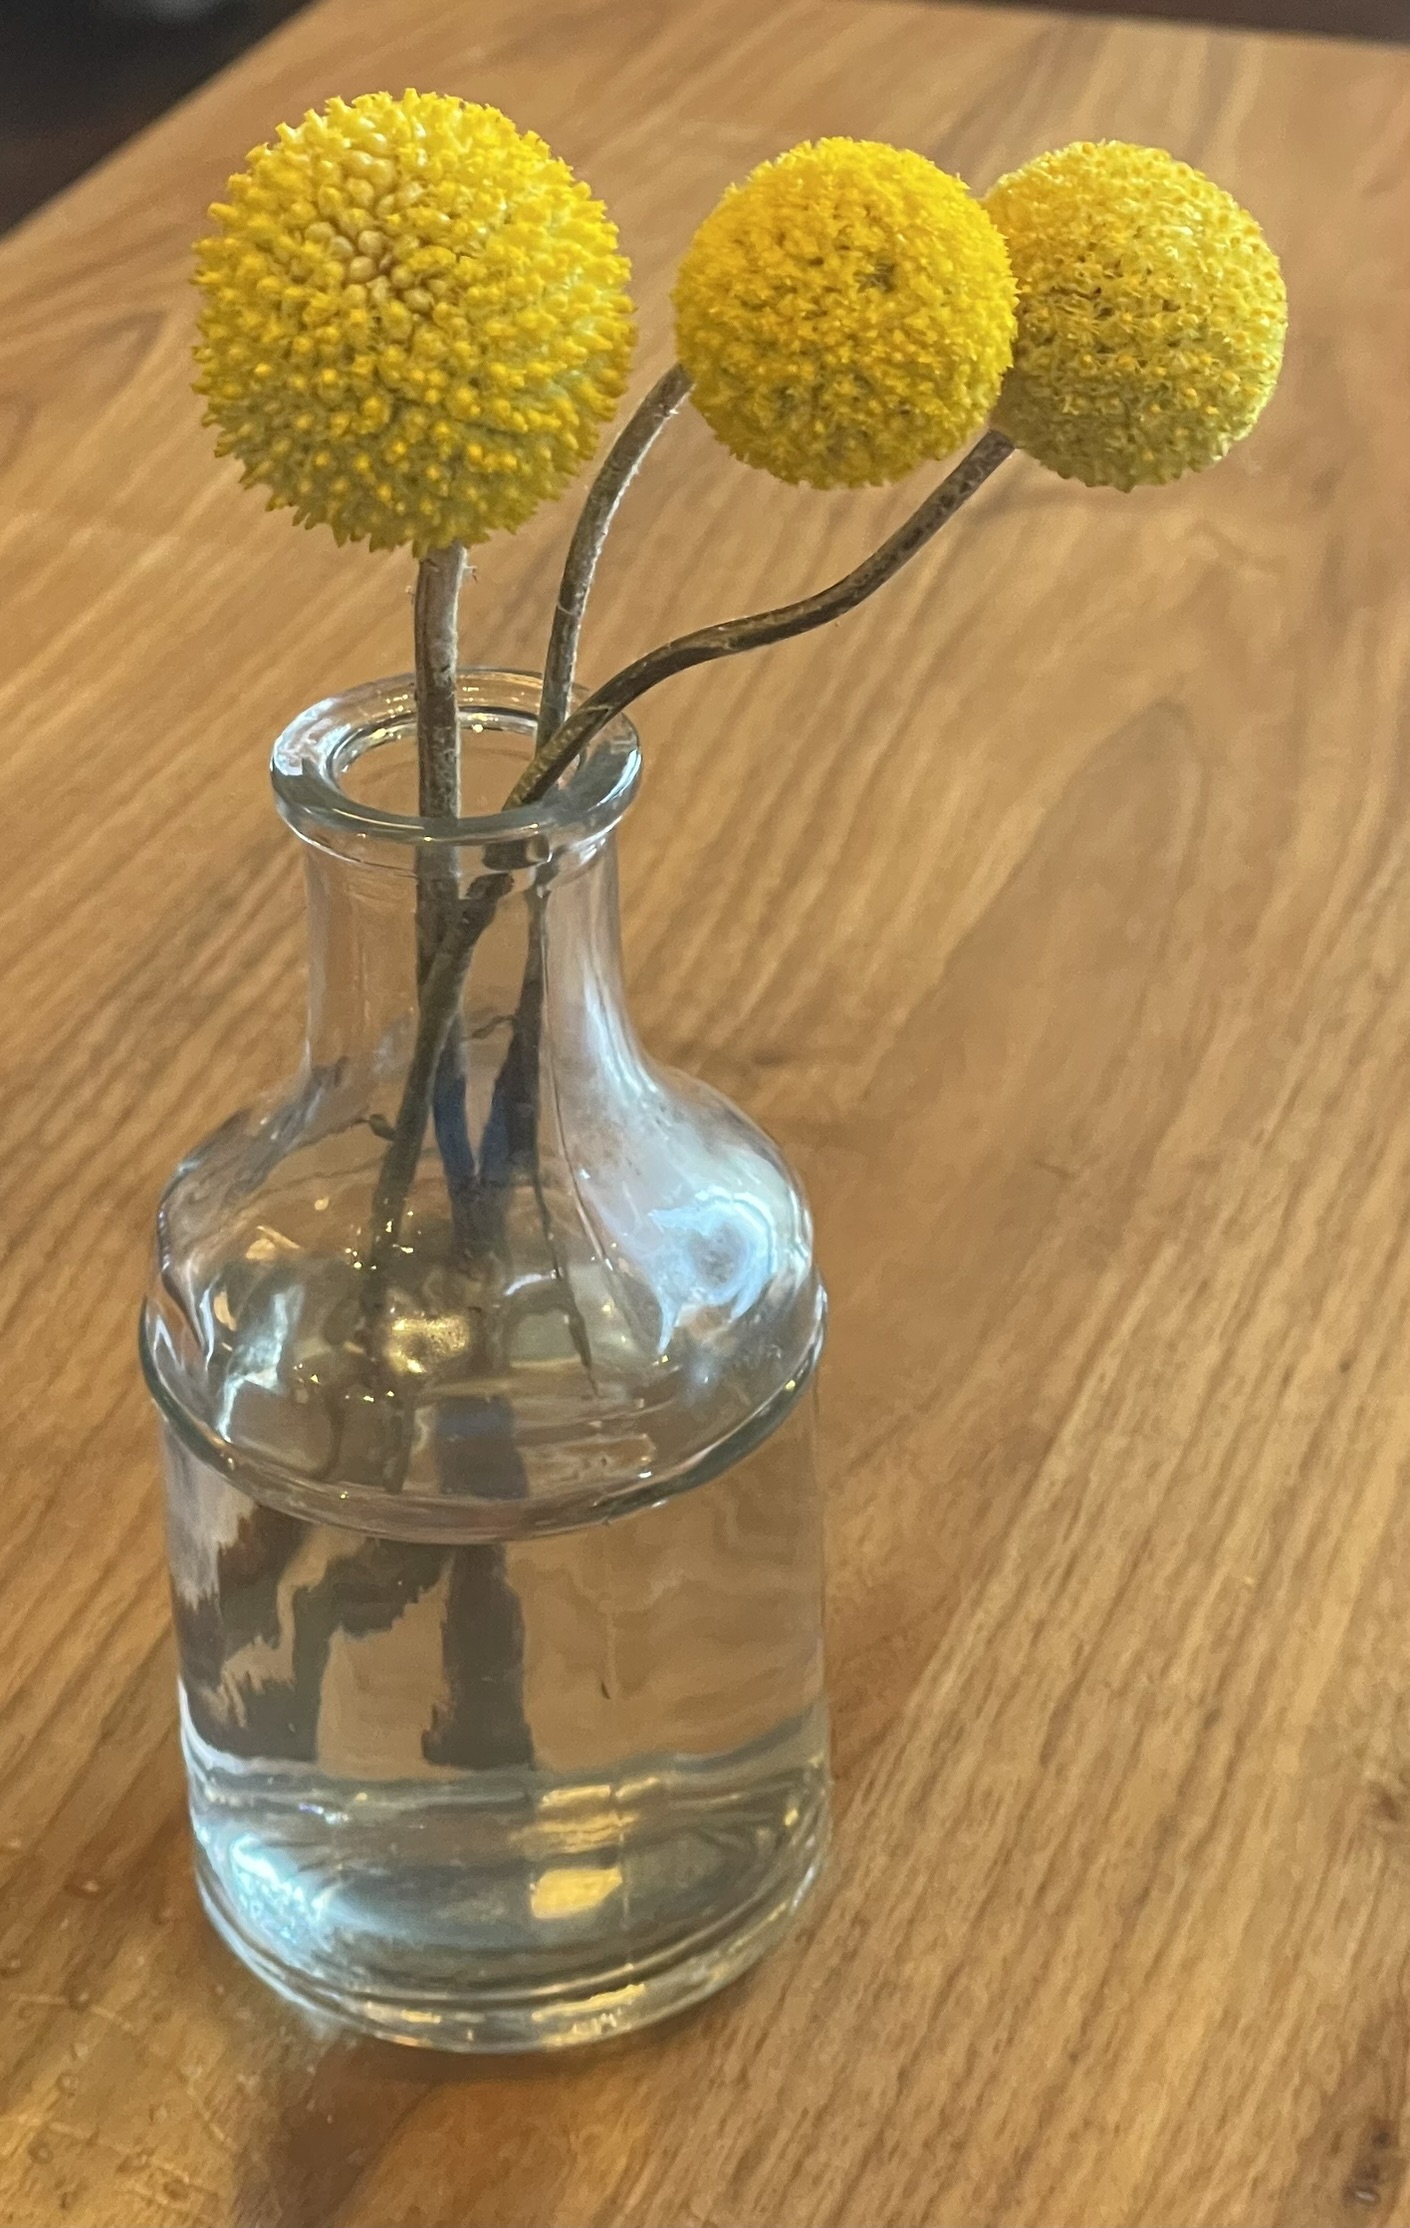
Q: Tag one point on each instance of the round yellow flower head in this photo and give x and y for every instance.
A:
(1151, 315)
(845, 314)
(415, 321)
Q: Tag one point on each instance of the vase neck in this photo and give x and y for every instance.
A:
(387, 886)
(553, 937)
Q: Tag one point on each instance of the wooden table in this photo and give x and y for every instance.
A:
(1055, 917)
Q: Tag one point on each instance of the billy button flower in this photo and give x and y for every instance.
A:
(848, 311)
(1151, 315)
(841, 317)
(415, 321)
(845, 315)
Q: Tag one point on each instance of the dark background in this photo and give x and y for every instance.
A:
(77, 77)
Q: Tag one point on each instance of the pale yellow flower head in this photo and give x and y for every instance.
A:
(845, 314)
(1151, 315)
(415, 321)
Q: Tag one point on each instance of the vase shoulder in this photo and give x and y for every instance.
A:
(596, 1285)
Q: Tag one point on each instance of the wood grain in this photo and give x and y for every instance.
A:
(1054, 916)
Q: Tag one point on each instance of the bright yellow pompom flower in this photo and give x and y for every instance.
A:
(845, 314)
(415, 321)
(1151, 315)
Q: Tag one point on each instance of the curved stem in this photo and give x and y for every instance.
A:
(761, 627)
(484, 1625)
(441, 990)
(647, 421)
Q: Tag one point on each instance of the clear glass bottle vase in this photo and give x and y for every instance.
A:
(483, 1354)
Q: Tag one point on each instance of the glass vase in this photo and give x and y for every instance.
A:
(483, 1354)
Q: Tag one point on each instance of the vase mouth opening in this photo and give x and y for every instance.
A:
(344, 773)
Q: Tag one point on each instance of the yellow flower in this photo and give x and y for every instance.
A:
(1151, 315)
(845, 314)
(415, 321)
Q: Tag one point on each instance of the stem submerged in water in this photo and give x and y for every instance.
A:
(482, 1723)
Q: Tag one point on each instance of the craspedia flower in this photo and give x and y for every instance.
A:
(845, 314)
(415, 321)
(1151, 315)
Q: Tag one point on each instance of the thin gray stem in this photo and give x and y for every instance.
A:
(439, 1008)
(647, 421)
(438, 583)
(442, 987)
(732, 636)
(438, 579)
(530, 1017)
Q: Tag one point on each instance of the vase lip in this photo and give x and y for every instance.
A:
(324, 742)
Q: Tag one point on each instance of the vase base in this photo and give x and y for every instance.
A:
(551, 2013)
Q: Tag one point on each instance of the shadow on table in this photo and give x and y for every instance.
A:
(334, 2105)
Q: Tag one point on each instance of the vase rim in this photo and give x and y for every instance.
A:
(321, 746)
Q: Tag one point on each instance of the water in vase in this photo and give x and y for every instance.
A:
(506, 1793)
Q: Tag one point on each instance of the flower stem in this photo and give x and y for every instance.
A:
(759, 628)
(650, 418)
(439, 1010)
(438, 584)
(438, 580)
(482, 1724)
(441, 990)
